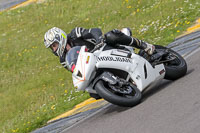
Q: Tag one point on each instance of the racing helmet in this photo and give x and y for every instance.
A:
(56, 35)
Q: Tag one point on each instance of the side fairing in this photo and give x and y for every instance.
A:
(140, 70)
(84, 69)
(115, 60)
(144, 74)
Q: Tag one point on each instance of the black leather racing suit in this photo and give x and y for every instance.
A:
(90, 37)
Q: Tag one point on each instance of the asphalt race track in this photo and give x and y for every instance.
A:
(171, 107)
(4, 4)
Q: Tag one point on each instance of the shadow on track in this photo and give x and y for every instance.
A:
(115, 108)
(164, 83)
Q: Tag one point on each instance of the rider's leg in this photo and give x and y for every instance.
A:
(118, 37)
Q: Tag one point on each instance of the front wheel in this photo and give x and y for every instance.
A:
(127, 96)
(175, 68)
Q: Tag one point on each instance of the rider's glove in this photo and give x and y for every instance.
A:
(149, 49)
(99, 43)
(100, 40)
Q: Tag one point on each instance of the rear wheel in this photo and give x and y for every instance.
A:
(126, 96)
(175, 68)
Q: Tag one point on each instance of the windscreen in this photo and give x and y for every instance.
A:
(72, 57)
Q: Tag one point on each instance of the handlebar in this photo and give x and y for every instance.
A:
(98, 46)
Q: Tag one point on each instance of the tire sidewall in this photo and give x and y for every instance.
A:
(115, 99)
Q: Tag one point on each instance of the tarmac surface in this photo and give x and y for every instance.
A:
(4, 4)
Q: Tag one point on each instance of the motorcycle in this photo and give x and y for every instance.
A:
(121, 75)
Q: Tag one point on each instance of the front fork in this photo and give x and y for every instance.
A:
(115, 83)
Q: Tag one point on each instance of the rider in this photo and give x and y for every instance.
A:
(60, 42)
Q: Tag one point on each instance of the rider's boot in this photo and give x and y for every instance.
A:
(148, 48)
(124, 37)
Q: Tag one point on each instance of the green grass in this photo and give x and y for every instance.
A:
(33, 85)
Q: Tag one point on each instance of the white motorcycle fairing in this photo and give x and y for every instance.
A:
(139, 70)
(85, 67)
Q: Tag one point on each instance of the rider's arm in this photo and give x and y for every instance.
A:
(66, 66)
(64, 63)
(92, 35)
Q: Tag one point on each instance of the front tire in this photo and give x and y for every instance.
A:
(122, 100)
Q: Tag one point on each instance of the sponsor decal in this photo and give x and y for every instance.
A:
(88, 58)
(109, 58)
(162, 71)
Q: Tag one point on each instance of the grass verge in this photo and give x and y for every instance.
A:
(33, 86)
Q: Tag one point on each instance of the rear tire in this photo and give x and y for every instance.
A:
(176, 68)
(108, 95)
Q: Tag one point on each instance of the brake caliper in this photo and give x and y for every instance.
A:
(122, 86)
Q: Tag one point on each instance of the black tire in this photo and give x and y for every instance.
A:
(174, 70)
(108, 95)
